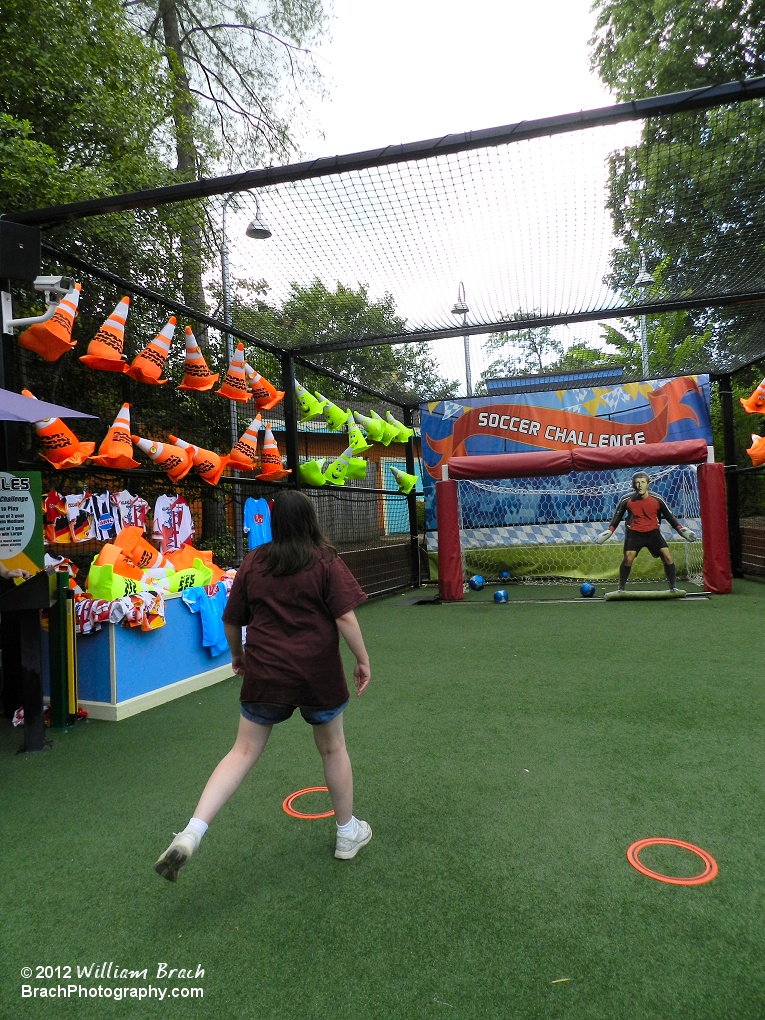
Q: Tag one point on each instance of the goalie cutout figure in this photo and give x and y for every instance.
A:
(644, 512)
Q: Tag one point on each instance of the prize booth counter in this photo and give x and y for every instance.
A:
(122, 671)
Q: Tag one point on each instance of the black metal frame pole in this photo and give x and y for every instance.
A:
(290, 418)
(725, 391)
(414, 536)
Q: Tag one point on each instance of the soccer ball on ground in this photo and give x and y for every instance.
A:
(476, 582)
(501, 596)
(587, 589)
(504, 575)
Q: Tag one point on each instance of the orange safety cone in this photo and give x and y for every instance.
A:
(116, 450)
(148, 366)
(266, 395)
(244, 455)
(112, 556)
(60, 446)
(53, 338)
(131, 541)
(175, 462)
(271, 467)
(756, 403)
(197, 375)
(105, 349)
(207, 464)
(235, 384)
(757, 451)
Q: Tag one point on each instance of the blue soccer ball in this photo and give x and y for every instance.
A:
(501, 596)
(476, 582)
(587, 589)
(504, 575)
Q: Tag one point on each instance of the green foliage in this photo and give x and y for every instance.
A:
(315, 314)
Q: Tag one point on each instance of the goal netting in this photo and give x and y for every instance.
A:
(543, 529)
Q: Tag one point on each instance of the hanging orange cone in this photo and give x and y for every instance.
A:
(148, 366)
(53, 338)
(266, 395)
(60, 446)
(235, 384)
(207, 464)
(175, 462)
(112, 556)
(244, 456)
(271, 467)
(757, 450)
(116, 450)
(756, 403)
(197, 375)
(131, 541)
(105, 349)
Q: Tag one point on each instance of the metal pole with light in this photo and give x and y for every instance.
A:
(258, 229)
(461, 308)
(643, 281)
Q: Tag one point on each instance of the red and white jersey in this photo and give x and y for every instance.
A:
(56, 521)
(173, 523)
(129, 510)
(82, 514)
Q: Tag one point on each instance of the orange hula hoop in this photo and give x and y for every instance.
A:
(287, 805)
(710, 865)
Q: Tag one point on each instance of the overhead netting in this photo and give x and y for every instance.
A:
(544, 222)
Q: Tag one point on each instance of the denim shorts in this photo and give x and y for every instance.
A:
(267, 715)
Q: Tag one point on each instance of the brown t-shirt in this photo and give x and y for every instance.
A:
(292, 651)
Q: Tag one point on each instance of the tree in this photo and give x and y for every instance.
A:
(687, 197)
(314, 314)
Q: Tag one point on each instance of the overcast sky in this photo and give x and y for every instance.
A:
(410, 70)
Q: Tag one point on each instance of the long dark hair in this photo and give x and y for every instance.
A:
(296, 538)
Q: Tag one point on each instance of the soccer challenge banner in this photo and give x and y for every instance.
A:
(629, 414)
(21, 527)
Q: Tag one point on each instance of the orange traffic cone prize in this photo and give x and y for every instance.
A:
(235, 384)
(116, 450)
(197, 375)
(60, 446)
(131, 541)
(271, 467)
(175, 462)
(756, 403)
(244, 456)
(266, 395)
(112, 556)
(757, 450)
(105, 349)
(53, 338)
(148, 366)
(207, 464)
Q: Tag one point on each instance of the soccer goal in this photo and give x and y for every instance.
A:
(535, 517)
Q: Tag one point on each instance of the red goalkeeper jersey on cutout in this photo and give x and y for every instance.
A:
(643, 514)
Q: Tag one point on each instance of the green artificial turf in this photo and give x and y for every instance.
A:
(506, 757)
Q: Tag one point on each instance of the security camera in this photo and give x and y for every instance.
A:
(58, 285)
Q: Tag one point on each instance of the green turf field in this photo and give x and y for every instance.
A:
(506, 757)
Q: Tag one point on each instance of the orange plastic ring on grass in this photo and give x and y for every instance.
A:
(709, 872)
(287, 805)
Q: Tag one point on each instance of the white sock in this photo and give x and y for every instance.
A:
(349, 829)
(197, 827)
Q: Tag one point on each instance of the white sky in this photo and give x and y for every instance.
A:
(410, 70)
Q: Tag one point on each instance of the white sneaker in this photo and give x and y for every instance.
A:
(176, 855)
(347, 847)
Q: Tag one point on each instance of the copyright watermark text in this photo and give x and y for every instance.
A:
(109, 980)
